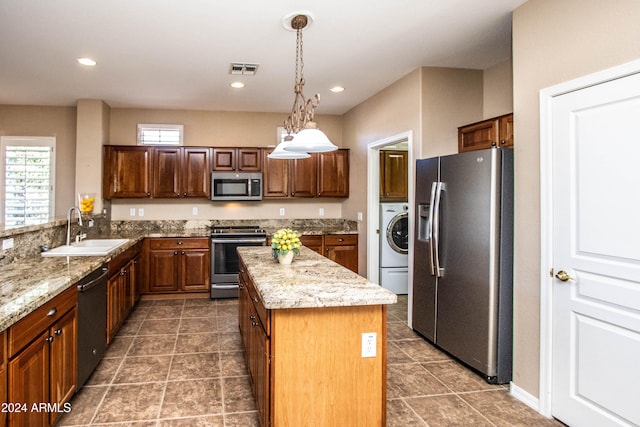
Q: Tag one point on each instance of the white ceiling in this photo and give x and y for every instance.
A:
(177, 53)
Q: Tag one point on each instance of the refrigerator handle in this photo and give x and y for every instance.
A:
(436, 230)
(430, 228)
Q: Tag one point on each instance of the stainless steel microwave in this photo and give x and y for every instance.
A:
(227, 186)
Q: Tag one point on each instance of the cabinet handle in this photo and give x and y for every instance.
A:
(255, 299)
(180, 243)
(254, 324)
(182, 253)
(148, 194)
(252, 317)
(49, 339)
(58, 331)
(52, 312)
(123, 272)
(340, 239)
(185, 194)
(175, 252)
(503, 141)
(493, 143)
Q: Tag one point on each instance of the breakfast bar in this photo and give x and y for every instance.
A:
(314, 335)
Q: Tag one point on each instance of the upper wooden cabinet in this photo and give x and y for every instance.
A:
(321, 175)
(394, 181)
(237, 159)
(333, 174)
(162, 172)
(495, 132)
(126, 172)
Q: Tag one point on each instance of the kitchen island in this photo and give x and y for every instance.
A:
(314, 335)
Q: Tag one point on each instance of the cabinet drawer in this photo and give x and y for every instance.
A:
(174, 243)
(340, 239)
(37, 321)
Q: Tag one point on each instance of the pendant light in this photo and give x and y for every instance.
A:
(281, 153)
(307, 138)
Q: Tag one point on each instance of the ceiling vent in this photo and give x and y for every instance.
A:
(239, 68)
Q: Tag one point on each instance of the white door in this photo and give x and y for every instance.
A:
(595, 139)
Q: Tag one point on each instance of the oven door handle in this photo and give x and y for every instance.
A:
(249, 240)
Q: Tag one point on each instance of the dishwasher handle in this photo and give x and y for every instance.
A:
(86, 286)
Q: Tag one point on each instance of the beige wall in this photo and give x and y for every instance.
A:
(498, 90)
(553, 41)
(48, 121)
(393, 110)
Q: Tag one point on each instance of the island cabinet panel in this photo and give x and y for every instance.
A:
(42, 362)
(306, 365)
(178, 265)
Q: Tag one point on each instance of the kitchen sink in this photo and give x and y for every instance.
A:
(90, 247)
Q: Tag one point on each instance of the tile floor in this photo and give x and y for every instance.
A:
(179, 362)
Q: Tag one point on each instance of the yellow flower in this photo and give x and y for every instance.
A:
(285, 240)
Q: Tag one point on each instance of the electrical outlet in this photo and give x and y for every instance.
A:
(132, 211)
(321, 212)
(141, 212)
(194, 210)
(369, 344)
(7, 243)
(359, 216)
(281, 211)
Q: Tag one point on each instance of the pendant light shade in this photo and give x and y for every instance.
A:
(281, 153)
(310, 140)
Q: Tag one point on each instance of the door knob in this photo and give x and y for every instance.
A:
(563, 276)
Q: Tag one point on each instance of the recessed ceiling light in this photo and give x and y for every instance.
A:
(237, 85)
(337, 89)
(87, 61)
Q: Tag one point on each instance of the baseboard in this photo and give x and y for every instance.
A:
(525, 397)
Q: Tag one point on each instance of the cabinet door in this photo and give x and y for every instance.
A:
(343, 250)
(127, 172)
(137, 278)
(249, 159)
(303, 178)
(394, 183)
(261, 350)
(63, 361)
(224, 159)
(275, 176)
(478, 136)
(114, 303)
(29, 382)
(195, 172)
(196, 264)
(333, 174)
(244, 322)
(164, 267)
(506, 131)
(166, 172)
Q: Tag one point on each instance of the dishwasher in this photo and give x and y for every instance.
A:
(92, 322)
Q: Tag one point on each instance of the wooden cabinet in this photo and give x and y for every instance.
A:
(253, 321)
(178, 265)
(313, 242)
(126, 172)
(333, 174)
(181, 172)
(43, 360)
(321, 175)
(343, 249)
(237, 159)
(305, 363)
(3, 376)
(160, 172)
(394, 176)
(122, 288)
(494, 132)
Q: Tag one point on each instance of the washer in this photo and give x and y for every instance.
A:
(394, 247)
(394, 235)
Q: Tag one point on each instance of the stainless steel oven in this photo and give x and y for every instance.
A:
(224, 258)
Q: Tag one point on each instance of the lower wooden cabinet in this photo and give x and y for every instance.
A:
(42, 367)
(123, 288)
(343, 249)
(3, 376)
(178, 265)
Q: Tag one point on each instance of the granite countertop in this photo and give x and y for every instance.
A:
(27, 284)
(311, 281)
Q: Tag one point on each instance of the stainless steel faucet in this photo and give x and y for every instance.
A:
(73, 208)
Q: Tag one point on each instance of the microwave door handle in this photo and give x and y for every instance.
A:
(430, 227)
(248, 240)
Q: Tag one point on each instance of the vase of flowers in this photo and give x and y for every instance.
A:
(284, 243)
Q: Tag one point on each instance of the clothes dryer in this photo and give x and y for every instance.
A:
(394, 247)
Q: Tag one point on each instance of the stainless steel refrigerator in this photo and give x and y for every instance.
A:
(463, 258)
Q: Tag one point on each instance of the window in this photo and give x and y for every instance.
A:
(27, 180)
(150, 134)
